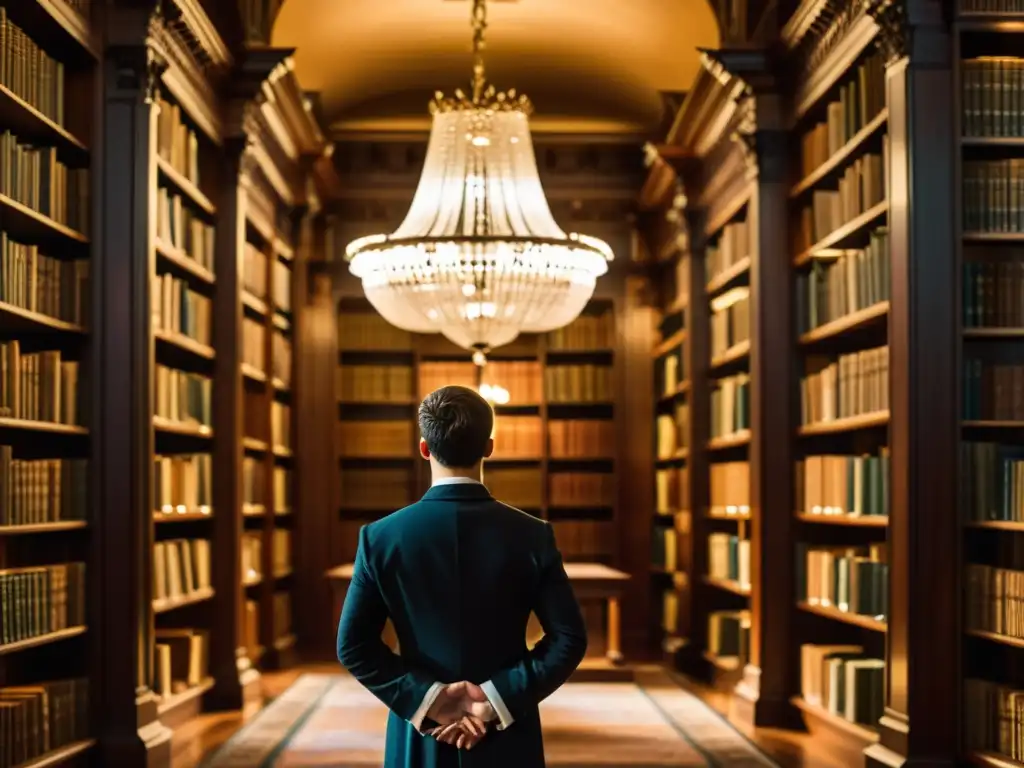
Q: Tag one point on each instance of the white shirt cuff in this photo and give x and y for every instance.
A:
(504, 716)
(428, 702)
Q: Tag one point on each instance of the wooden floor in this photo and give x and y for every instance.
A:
(199, 738)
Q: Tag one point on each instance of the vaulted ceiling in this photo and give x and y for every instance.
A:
(590, 66)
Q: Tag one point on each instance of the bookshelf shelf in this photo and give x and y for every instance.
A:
(182, 184)
(855, 321)
(254, 303)
(717, 514)
(57, 23)
(180, 517)
(253, 374)
(735, 440)
(734, 354)
(991, 424)
(819, 717)
(27, 122)
(995, 637)
(846, 424)
(998, 142)
(851, 521)
(180, 260)
(1009, 24)
(857, 620)
(284, 643)
(40, 640)
(55, 527)
(60, 756)
(992, 760)
(993, 237)
(996, 525)
(671, 343)
(48, 427)
(18, 320)
(20, 220)
(994, 333)
(254, 445)
(183, 343)
(847, 152)
(727, 585)
(182, 429)
(682, 389)
(168, 707)
(844, 237)
(723, 663)
(173, 604)
(728, 276)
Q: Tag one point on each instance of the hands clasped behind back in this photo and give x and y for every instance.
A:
(462, 712)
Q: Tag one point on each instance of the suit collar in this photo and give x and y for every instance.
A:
(457, 492)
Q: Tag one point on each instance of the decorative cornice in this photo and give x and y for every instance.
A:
(893, 34)
(208, 45)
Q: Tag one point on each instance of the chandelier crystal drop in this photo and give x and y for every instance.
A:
(479, 257)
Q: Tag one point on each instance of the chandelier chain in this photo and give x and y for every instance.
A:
(479, 23)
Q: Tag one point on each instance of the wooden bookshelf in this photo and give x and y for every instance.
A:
(49, 537)
(555, 448)
(989, 254)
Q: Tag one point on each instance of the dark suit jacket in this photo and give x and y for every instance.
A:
(458, 574)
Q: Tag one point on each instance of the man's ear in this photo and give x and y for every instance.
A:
(424, 450)
(489, 448)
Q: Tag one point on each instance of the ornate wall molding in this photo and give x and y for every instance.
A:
(894, 37)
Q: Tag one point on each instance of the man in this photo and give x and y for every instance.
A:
(458, 573)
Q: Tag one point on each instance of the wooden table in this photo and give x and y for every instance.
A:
(590, 581)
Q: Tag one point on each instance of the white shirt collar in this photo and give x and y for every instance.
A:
(455, 481)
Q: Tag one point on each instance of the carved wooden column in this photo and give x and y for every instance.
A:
(920, 725)
(316, 497)
(124, 175)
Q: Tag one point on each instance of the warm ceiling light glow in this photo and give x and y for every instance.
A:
(494, 394)
(479, 257)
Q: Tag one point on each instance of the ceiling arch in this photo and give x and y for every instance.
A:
(588, 65)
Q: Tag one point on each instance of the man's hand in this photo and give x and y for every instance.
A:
(462, 710)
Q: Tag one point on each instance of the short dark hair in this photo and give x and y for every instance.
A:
(456, 423)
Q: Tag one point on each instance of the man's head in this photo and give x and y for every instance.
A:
(455, 427)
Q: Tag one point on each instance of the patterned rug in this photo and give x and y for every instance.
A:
(652, 724)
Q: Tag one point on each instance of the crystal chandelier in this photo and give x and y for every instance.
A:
(479, 257)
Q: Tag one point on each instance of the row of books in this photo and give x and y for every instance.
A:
(254, 271)
(282, 608)
(861, 99)
(853, 385)
(850, 486)
(729, 635)
(251, 629)
(729, 558)
(993, 715)
(176, 142)
(38, 282)
(856, 280)
(38, 386)
(993, 89)
(177, 309)
(994, 600)
(862, 186)
(251, 560)
(183, 483)
(730, 325)
(670, 611)
(280, 425)
(182, 228)
(581, 489)
(370, 331)
(585, 540)
(376, 439)
(181, 660)
(254, 344)
(181, 567)
(281, 359)
(252, 480)
(42, 718)
(36, 178)
(586, 332)
(35, 491)
(672, 489)
(993, 392)
(519, 486)
(732, 246)
(992, 292)
(992, 481)
(518, 437)
(578, 383)
(28, 72)
(849, 579)
(730, 488)
(730, 405)
(665, 548)
(281, 551)
(843, 681)
(374, 383)
(673, 370)
(39, 600)
(283, 490)
(520, 378)
(990, 6)
(990, 194)
(580, 439)
(673, 431)
(183, 397)
(282, 287)
(377, 488)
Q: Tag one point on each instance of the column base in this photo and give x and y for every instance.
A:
(149, 746)
(894, 744)
(756, 710)
(234, 687)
